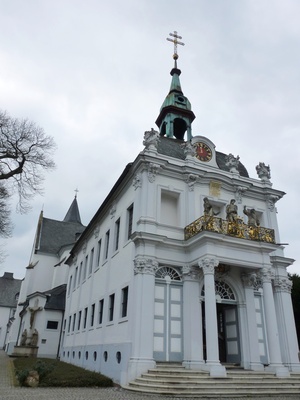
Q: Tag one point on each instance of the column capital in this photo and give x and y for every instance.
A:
(208, 265)
(190, 273)
(283, 284)
(143, 265)
(266, 275)
(249, 279)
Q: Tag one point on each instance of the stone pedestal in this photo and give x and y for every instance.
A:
(25, 351)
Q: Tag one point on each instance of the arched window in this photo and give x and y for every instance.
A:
(222, 290)
(164, 272)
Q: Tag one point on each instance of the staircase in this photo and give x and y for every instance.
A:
(175, 380)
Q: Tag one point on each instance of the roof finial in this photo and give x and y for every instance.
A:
(176, 42)
(76, 191)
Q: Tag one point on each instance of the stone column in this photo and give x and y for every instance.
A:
(143, 316)
(212, 346)
(272, 327)
(192, 320)
(254, 363)
(286, 323)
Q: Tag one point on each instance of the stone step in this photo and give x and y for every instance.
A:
(177, 381)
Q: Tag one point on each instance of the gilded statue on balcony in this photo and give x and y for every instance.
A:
(252, 217)
(231, 211)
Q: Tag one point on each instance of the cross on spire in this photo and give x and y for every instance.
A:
(76, 191)
(176, 42)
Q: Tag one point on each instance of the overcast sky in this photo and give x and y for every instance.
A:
(94, 74)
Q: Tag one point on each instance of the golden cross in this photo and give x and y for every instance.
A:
(176, 42)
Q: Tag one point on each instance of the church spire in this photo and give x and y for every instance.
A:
(176, 115)
(73, 214)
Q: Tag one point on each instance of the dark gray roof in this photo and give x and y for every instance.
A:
(9, 288)
(56, 298)
(172, 147)
(73, 214)
(56, 234)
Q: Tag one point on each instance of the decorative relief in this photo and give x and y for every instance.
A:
(152, 171)
(84, 246)
(222, 271)
(263, 172)
(96, 231)
(215, 188)
(145, 266)
(137, 181)
(271, 200)
(282, 284)
(266, 275)
(191, 179)
(232, 163)
(189, 149)
(249, 279)
(151, 139)
(236, 229)
(113, 210)
(208, 265)
(191, 272)
(239, 192)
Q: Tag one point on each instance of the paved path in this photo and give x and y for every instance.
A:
(9, 392)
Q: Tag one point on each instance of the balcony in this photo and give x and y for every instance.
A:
(236, 229)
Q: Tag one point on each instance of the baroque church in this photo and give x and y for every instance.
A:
(182, 263)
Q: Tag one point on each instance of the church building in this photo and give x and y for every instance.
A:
(182, 262)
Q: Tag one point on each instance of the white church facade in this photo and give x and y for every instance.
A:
(181, 263)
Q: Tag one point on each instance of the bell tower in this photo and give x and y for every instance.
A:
(176, 115)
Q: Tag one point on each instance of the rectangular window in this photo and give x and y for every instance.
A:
(91, 261)
(92, 314)
(98, 253)
(79, 320)
(117, 234)
(74, 322)
(69, 324)
(111, 307)
(129, 219)
(124, 302)
(52, 325)
(85, 317)
(79, 274)
(70, 284)
(75, 279)
(85, 267)
(101, 307)
(106, 245)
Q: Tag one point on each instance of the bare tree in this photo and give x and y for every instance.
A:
(25, 153)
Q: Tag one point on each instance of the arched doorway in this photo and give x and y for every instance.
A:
(167, 338)
(227, 319)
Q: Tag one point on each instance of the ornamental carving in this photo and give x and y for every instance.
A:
(266, 275)
(189, 149)
(145, 266)
(137, 181)
(236, 229)
(191, 179)
(151, 139)
(113, 210)
(249, 280)
(208, 265)
(152, 171)
(283, 284)
(232, 163)
(263, 172)
(96, 231)
(192, 273)
(239, 192)
(84, 246)
(271, 200)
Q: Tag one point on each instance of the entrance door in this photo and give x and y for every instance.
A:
(231, 335)
(168, 321)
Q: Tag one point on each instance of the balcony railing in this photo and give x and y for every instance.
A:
(236, 229)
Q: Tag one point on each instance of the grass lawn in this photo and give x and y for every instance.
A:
(60, 374)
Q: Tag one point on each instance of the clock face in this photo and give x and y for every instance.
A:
(203, 152)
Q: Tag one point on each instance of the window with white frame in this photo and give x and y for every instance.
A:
(91, 261)
(92, 314)
(111, 305)
(98, 253)
(106, 244)
(101, 308)
(129, 221)
(124, 302)
(117, 234)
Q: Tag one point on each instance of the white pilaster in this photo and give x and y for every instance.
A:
(272, 327)
(143, 311)
(192, 321)
(212, 346)
(252, 335)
